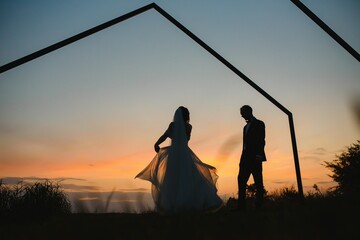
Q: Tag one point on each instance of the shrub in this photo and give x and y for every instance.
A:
(346, 171)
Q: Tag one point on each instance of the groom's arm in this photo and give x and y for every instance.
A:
(260, 141)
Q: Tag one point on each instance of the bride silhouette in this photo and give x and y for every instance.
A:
(180, 181)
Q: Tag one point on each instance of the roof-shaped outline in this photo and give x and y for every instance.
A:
(154, 6)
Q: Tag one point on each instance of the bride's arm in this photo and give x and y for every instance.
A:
(159, 141)
(162, 139)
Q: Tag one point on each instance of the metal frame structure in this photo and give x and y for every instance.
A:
(154, 6)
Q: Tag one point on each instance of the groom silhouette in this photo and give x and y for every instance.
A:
(252, 156)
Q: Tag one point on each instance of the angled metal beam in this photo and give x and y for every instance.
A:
(327, 29)
(220, 58)
(75, 38)
(98, 28)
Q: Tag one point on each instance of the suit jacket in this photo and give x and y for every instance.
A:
(254, 141)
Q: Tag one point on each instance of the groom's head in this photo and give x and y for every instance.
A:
(246, 112)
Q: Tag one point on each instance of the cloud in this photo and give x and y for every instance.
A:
(15, 180)
(134, 190)
(285, 182)
(319, 151)
(76, 187)
(325, 182)
(313, 158)
(316, 154)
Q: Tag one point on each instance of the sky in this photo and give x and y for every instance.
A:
(89, 113)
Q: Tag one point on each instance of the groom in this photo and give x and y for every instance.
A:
(252, 156)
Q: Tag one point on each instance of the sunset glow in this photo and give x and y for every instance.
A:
(89, 114)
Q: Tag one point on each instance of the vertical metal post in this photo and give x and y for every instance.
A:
(296, 157)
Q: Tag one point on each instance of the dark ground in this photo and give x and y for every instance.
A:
(312, 220)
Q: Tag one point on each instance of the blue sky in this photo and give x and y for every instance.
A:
(103, 101)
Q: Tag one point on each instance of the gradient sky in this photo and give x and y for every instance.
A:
(91, 111)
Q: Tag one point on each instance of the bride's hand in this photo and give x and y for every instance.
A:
(157, 148)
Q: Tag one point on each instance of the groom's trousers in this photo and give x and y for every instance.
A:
(250, 167)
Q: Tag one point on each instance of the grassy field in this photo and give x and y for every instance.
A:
(42, 211)
(316, 219)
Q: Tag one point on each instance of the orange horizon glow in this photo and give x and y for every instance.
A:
(105, 174)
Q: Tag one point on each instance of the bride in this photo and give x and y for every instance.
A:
(180, 181)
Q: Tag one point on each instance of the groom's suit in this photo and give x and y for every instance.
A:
(252, 156)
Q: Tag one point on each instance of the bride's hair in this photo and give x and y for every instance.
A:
(185, 113)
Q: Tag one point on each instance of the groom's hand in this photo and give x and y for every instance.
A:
(157, 148)
(259, 158)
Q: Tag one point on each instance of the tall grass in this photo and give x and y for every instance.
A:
(284, 197)
(323, 216)
(46, 198)
(43, 198)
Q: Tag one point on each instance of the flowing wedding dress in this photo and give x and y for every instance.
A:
(180, 181)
